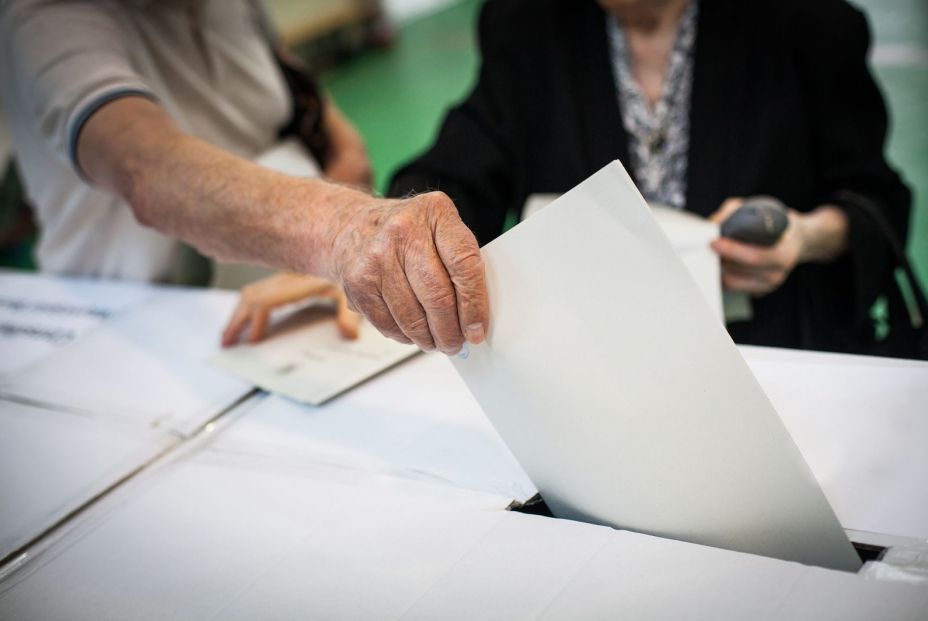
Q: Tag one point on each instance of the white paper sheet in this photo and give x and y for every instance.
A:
(623, 397)
(860, 423)
(417, 421)
(150, 365)
(40, 313)
(53, 462)
(306, 359)
(689, 235)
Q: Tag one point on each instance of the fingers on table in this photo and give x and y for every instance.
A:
(349, 322)
(259, 320)
(255, 320)
(235, 326)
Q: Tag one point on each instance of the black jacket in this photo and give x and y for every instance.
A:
(782, 104)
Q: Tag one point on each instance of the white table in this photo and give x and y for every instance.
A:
(389, 502)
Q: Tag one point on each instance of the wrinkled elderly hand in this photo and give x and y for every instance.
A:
(414, 270)
(817, 236)
(260, 298)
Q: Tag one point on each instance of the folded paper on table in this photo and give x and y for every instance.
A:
(622, 395)
(306, 359)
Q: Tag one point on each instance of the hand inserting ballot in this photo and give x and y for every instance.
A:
(413, 269)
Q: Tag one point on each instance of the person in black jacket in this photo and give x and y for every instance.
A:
(703, 103)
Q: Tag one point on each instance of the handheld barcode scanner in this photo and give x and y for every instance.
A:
(761, 221)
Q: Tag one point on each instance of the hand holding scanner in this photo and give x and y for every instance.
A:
(761, 221)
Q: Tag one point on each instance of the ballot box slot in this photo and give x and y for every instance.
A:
(536, 506)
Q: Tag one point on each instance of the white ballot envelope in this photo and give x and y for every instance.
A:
(619, 391)
(689, 235)
(306, 359)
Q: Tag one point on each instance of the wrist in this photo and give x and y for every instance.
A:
(338, 212)
(823, 233)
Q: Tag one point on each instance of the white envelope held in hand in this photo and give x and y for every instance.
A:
(689, 235)
(616, 387)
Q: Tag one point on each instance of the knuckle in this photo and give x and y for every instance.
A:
(439, 201)
(466, 262)
(443, 301)
(391, 331)
(416, 325)
(398, 227)
(377, 251)
(351, 274)
(358, 278)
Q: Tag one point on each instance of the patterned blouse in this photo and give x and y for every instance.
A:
(658, 136)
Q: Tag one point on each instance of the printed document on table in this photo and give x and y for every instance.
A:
(621, 394)
(40, 314)
(308, 360)
(148, 365)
